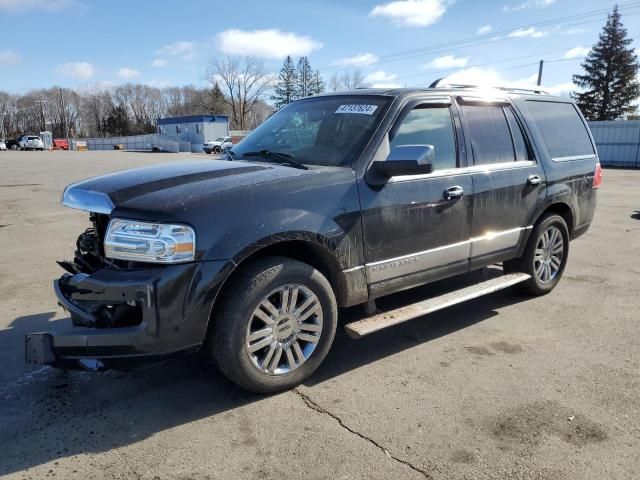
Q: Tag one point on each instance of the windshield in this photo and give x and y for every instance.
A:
(325, 131)
(219, 139)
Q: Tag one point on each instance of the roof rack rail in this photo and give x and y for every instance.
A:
(537, 91)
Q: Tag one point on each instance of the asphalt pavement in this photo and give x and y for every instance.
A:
(502, 387)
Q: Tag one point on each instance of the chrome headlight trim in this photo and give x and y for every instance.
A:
(149, 242)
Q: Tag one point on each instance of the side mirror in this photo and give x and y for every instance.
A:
(406, 160)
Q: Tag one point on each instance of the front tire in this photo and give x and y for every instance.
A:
(274, 325)
(545, 255)
(217, 150)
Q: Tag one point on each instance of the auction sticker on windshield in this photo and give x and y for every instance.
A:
(357, 108)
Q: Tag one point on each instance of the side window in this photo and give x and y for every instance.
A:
(520, 144)
(562, 129)
(429, 126)
(490, 134)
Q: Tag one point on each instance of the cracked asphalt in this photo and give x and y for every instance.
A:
(503, 387)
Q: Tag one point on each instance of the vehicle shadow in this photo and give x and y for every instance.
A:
(636, 215)
(73, 413)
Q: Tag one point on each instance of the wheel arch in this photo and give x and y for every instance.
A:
(311, 249)
(558, 207)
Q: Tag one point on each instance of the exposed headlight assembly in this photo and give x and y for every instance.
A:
(149, 242)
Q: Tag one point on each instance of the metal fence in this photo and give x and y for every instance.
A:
(138, 142)
(618, 142)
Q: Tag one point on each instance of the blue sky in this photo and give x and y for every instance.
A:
(77, 43)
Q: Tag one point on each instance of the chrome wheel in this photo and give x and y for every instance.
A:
(547, 258)
(284, 329)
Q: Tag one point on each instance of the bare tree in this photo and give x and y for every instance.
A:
(349, 80)
(245, 82)
(353, 79)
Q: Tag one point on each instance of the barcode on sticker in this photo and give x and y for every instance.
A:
(357, 108)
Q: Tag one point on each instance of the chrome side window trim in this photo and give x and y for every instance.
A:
(87, 200)
(575, 157)
(491, 167)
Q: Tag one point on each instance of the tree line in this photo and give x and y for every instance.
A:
(128, 109)
(248, 92)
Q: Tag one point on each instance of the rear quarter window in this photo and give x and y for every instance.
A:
(563, 131)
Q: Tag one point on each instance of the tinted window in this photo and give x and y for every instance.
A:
(429, 126)
(522, 151)
(562, 129)
(490, 135)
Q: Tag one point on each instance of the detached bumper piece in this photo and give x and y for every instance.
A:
(125, 318)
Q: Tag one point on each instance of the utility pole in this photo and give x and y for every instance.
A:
(540, 73)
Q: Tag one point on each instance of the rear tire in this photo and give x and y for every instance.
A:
(274, 325)
(545, 255)
(217, 150)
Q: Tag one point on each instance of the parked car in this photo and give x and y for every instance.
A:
(218, 145)
(31, 142)
(13, 143)
(248, 260)
(3, 146)
(60, 144)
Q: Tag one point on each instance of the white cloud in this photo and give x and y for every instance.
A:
(77, 70)
(128, 73)
(359, 60)
(8, 57)
(20, 6)
(562, 89)
(411, 13)
(181, 49)
(158, 83)
(447, 61)
(160, 62)
(271, 43)
(486, 77)
(529, 4)
(530, 32)
(381, 79)
(484, 30)
(474, 76)
(576, 52)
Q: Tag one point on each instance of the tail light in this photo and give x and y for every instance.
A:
(597, 176)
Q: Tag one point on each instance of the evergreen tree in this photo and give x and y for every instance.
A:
(215, 102)
(305, 77)
(319, 85)
(286, 88)
(610, 81)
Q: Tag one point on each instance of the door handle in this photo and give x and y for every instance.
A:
(534, 180)
(453, 193)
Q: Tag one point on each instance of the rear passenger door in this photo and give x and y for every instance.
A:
(508, 182)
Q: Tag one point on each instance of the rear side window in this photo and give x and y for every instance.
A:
(562, 129)
(425, 125)
(519, 142)
(490, 134)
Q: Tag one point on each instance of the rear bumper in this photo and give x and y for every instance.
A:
(129, 316)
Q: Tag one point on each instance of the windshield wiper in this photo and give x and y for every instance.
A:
(277, 157)
(231, 155)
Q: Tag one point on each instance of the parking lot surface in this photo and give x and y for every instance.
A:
(502, 387)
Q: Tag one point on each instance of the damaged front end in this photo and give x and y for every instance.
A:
(122, 312)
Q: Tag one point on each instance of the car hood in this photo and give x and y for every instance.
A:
(164, 189)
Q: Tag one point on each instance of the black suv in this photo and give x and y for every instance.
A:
(334, 201)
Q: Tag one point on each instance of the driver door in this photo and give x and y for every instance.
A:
(416, 227)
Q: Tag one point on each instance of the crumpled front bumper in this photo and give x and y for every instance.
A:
(129, 315)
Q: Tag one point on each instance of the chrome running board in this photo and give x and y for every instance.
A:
(383, 320)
